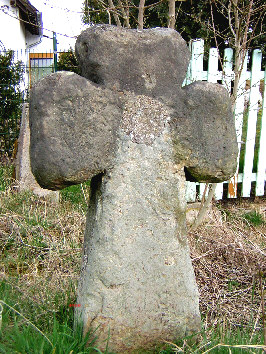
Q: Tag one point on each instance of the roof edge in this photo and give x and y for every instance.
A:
(29, 14)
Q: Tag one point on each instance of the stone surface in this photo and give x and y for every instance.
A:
(75, 125)
(134, 130)
(152, 62)
(137, 278)
(204, 131)
(24, 176)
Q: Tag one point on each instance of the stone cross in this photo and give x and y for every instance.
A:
(127, 124)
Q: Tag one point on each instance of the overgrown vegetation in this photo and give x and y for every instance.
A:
(220, 22)
(41, 246)
(68, 62)
(10, 101)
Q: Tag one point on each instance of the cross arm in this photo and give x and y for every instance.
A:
(204, 133)
(74, 126)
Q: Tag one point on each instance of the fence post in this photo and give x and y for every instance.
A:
(252, 122)
(213, 65)
(228, 74)
(55, 51)
(195, 68)
(262, 147)
(238, 113)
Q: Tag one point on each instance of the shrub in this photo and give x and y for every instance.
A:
(11, 74)
(68, 62)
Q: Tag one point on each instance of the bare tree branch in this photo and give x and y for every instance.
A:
(124, 14)
(113, 10)
(230, 19)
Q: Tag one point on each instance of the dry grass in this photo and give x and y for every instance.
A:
(228, 253)
(41, 246)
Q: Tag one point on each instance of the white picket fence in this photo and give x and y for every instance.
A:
(254, 109)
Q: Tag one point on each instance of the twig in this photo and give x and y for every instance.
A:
(255, 324)
(262, 308)
(204, 208)
(175, 347)
(84, 195)
(236, 346)
(28, 321)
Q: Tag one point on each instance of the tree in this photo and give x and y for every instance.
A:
(236, 23)
(245, 29)
(11, 74)
(68, 62)
(213, 20)
(126, 13)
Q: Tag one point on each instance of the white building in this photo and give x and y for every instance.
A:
(20, 25)
(63, 17)
(28, 28)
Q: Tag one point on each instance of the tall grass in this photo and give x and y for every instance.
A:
(41, 245)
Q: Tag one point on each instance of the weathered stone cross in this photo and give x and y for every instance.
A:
(129, 126)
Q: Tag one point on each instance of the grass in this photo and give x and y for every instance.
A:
(77, 195)
(5, 176)
(254, 218)
(26, 337)
(221, 338)
(41, 245)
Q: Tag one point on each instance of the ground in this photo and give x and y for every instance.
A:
(41, 245)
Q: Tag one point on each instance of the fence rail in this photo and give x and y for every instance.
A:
(250, 119)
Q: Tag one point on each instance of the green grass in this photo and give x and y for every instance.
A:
(21, 335)
(40, 245)
(221, 338)
(31, 327)
(63, 339)
(33, 294)
(254, 218)
(5, 177)
(77, 195)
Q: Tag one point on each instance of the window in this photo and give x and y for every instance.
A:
(40, 65)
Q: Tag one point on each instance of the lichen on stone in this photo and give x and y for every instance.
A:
(144, 119)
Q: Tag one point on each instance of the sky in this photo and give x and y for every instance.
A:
(63, 17)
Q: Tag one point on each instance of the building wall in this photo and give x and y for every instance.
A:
(12, 32)
(36, 52)
(62, 17)
(14, 36)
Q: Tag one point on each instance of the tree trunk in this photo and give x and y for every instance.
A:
(124, 14)
(171, 21)
(116, 17)
(141, 15)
